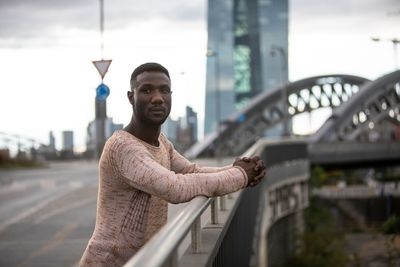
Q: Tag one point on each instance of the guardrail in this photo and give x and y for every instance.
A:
(238, 219)
(345, 153)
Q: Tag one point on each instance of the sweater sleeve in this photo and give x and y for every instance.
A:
(180, 164)
(136, 167)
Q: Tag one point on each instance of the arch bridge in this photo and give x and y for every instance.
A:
(365, 130)
(266, 112)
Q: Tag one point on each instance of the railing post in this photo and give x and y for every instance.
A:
(173, 260)
(214, 211)
(222, 202)
(196, 236)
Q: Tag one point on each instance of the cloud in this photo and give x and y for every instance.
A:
(344, 18)
(342, 8)
(25, 22)
(312, 11)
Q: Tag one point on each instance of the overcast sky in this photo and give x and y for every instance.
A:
(46, 47)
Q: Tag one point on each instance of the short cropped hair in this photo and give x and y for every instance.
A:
(150, 66)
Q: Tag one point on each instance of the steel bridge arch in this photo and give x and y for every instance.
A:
(265, 111)
(378, 101)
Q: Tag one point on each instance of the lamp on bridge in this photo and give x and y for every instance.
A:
(214, 54)
(282, 53)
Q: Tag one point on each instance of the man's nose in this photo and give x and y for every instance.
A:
(157, 97)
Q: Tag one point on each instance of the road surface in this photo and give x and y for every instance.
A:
(47, 215)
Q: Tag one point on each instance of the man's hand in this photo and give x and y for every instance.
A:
(254, 168)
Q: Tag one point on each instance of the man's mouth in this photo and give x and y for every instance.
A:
(157, 110)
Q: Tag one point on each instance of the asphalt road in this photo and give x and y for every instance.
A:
(47, 215)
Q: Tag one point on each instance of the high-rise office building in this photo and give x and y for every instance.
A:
(183, 131)
(191, 124)
(92, 144)
(68, 140)
(170, 128)
(67, 150)
(52, 141)
(247, 53)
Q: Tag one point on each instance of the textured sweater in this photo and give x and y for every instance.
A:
(136, 180)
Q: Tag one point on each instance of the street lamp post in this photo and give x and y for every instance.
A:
(282, 53)
(214, 54)
(395, 43)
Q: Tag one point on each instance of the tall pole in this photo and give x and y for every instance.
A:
(217, 105)
(395, 42)
(101, 104)
(214, 54)
(101, 29)
(282, 53)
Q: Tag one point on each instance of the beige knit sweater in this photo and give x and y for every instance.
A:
(136, 180)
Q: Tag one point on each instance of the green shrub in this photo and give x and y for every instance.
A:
(392, 225)
(321, 243)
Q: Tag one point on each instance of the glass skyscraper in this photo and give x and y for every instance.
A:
(247, 53)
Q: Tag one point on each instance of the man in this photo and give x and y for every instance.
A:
(140, 171)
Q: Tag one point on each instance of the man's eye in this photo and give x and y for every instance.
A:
(146, 91)
(166, 91)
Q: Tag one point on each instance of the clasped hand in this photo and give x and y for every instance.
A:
(254, 168)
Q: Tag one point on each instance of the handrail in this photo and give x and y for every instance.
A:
(166, 241)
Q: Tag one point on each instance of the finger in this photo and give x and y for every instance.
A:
(258, 178)
(258, 171)
(260, 175)
(256, 158)
(255, 183)
(246, 159)
(261, 164)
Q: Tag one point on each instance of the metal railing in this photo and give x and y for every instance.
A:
(167, 241)
(213, 244)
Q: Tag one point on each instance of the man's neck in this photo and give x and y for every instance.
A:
(147, 133)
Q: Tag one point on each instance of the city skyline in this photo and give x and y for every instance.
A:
(48, 80)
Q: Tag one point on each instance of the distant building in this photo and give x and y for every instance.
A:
(248, 53)
(48, 152)
(170, 128)
(91, 142)
(183, 131)
(68, 140)
(192, 124)
(67, 150)
(111, 127)
(52, 141)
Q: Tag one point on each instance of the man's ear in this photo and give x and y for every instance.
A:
(131, 97)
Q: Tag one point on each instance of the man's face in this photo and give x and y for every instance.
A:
(151, 98)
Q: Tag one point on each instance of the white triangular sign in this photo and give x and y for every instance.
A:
(102, 66)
